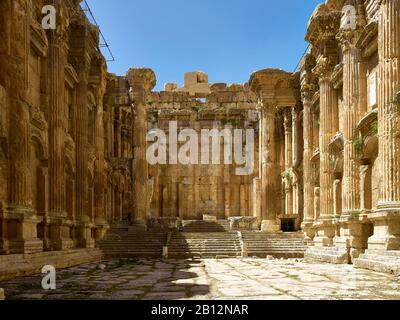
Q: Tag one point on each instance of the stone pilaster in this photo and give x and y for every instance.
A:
(56, 220)
(85, 239)
(24, 237)
(141, 81)
(387, 218)
(100, 178)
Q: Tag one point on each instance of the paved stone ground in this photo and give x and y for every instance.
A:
(230, 279)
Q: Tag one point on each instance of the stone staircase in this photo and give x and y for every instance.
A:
(280, 245)
(204, 245)
(133, 245)
(198, 226)
(201, 238)
(380, 261)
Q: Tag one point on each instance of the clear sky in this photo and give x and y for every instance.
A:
(228, 39)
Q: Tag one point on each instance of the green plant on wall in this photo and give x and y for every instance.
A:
(196, 108)
(359, 143)
(374, 128)
(396, 96)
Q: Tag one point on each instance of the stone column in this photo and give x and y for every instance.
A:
(328, 113)
(288, 161)
(24, 238)
(99, 168)
(268, 169)
(308, 89)
(57, 219)
(83, 220)
(387, 218)
(351, 108)
(142, 81)
(349, 223)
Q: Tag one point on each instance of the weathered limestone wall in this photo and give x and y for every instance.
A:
(191, 191)
(53, 155)
(356, 202)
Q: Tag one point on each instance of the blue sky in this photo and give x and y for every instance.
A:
(228, 39)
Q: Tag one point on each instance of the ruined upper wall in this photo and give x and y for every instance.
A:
(197, 93)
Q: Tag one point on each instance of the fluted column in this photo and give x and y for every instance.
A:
(308, 89)
(388, 102)
(19, 188)
(82, 143)
(307, 166)
(268, 168)
(387, 218)
(351, 111)
(328, 102)
(288, 161)
(100, 186)
(142, 81)
(57, 218)
(328, 127)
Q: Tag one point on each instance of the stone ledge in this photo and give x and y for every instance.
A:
(380, 261)
(13, 266)
(326, 254)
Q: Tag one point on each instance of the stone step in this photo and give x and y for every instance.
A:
(380, 261)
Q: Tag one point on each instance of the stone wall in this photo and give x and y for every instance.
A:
(349, 85)
(55, 163)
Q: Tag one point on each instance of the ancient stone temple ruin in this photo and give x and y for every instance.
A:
(76, 182)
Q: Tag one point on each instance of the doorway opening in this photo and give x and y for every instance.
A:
(288, 225)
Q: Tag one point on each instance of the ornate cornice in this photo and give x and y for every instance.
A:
(323, 26)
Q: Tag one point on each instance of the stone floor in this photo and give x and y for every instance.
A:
(229, 279)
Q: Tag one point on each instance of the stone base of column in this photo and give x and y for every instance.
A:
(25, 246)
(84, 236)
(309, 231)
(101, 229)
(60, 238)
(270, 226)
(386, 234)
(353, 235)
(325, 232)
(24, 236)
(4, 247)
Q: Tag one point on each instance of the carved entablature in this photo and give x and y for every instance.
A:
(275, 88)
(141, 81)
(323, 27)
(353, 22)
